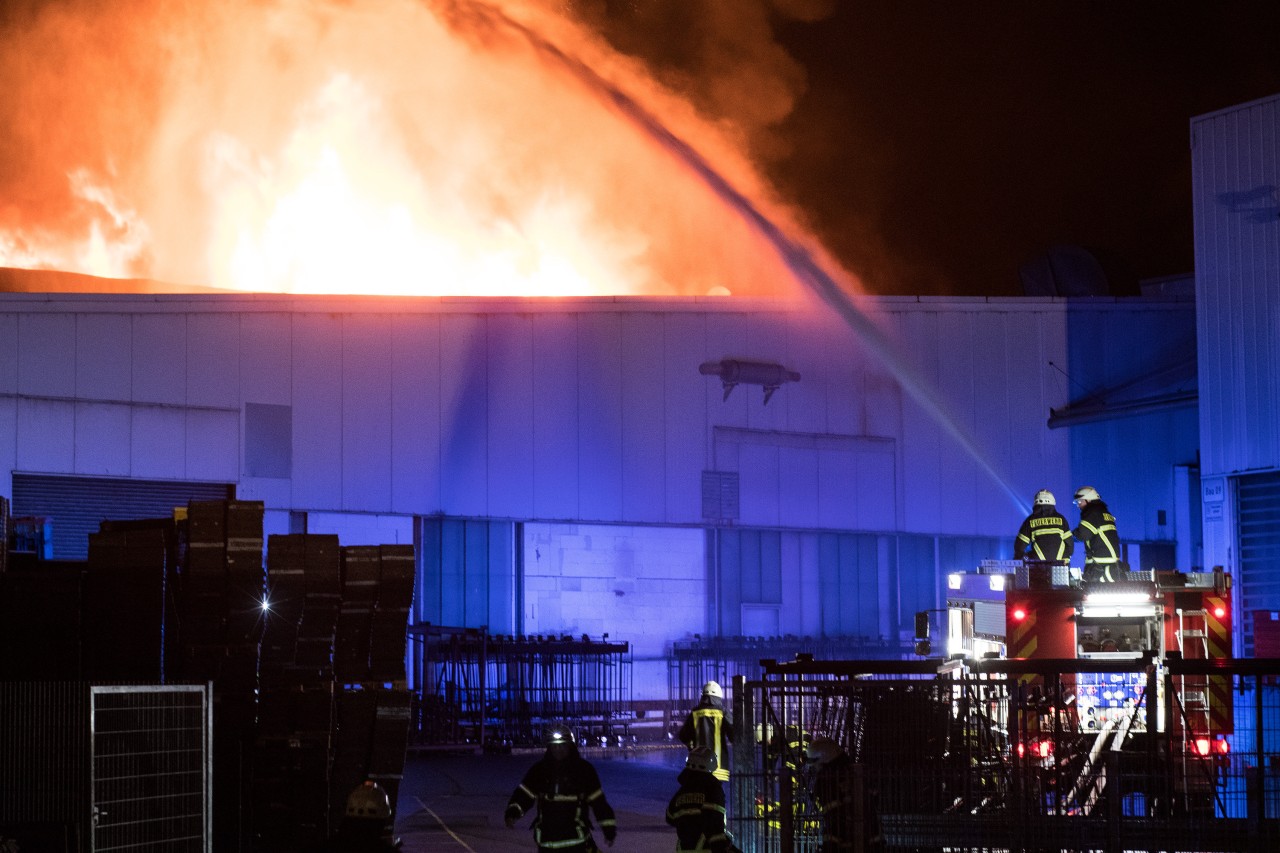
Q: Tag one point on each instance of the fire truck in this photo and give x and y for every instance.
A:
(1127, 639)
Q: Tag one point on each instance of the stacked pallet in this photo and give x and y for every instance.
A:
(219, 605)
(126, 631)
(295, 726)
(334, 708)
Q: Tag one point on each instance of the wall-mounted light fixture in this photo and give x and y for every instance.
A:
(733, 371)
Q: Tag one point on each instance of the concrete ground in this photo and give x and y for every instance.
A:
(453, 802)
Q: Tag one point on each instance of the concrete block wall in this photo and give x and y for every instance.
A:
(644, 585)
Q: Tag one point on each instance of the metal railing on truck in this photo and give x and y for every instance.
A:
(1010, 755)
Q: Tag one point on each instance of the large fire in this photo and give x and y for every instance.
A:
(384, 146)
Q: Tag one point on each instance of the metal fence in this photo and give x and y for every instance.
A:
(1010, 755)
(97, 768)
(151, 769)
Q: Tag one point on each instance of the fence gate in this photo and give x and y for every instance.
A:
(151, 768)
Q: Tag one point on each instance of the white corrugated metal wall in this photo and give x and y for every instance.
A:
(1236, 172)
(594, 411)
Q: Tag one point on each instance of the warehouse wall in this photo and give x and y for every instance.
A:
(897, 454)
(1235, 157)
(585, 410)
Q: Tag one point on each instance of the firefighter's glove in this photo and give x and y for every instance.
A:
(610, 833)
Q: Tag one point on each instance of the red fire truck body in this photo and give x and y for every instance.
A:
(1039, 611)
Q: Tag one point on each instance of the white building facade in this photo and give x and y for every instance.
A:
(568, 466)
(1236, 169)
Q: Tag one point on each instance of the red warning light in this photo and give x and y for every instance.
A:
(1219, 612)
(1201, 746)
(1222, 747)
(1044, 748)
(1019, 614)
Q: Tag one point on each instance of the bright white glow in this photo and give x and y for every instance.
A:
(953, 581)
(266, 605)
(1131, 610)
(1105, 599)
(997, 583)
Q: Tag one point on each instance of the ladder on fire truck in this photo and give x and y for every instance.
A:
(1193, 690)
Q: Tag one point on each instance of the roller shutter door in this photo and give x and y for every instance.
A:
(78, 505)
(1258, 532)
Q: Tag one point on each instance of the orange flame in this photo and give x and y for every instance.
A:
(378, 147)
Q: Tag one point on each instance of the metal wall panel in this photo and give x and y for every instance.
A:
(415, 413)
(554, 368)
(366, 400)
(159, 358)
(686, 438)
(158, 441)
(314, 369)
(104, 356)
(8, 353)
(213, 359)
(464, 404)
(644, 417)
(46, 355)
(600, 447)
(511, 390)
(103, 439)
(595, 409)
(1235, 170)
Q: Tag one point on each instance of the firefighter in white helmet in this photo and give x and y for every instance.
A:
(366, 825)
(1097, 532)
(1045, 534)
(710, 725)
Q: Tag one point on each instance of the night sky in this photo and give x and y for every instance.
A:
(937, 147)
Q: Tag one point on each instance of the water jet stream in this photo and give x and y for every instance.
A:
(798, 259)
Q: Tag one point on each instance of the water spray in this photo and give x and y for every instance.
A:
(798, 259)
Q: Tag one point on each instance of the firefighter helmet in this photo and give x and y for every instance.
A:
(713, 688)
(822, 750)
(702, 759)
(1044, 497)
(556, 735)
(1087, 493)
(368, 801)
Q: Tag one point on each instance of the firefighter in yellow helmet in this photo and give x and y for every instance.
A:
(1097, 531)
(1045, 534)
(697, 811)
(565, 789)
(710, 725)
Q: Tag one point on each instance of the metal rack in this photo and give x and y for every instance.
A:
(497, 690)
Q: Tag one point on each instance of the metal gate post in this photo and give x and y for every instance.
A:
(1113, 800)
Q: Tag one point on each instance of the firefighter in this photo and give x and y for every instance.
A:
(563, 786)
(366, 823)
(709, 725)
(1097, 530)
(849, 818)
(1045, 534)
(697, 811)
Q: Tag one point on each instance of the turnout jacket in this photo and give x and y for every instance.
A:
(1044, 535)
(562, 792)
(709, 725)
(1097, 530)
(697, 811)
